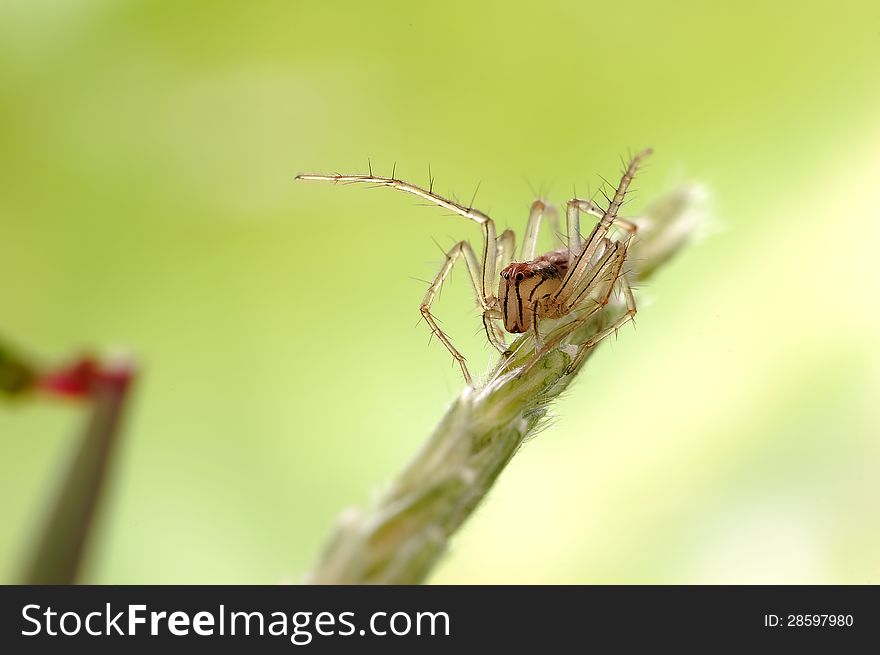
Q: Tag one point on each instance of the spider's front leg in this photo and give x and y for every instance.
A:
(628, 315)
(462, 248)
(582, 256)
(505, 246)
(488, 272)
(536, 333)
(484, 272)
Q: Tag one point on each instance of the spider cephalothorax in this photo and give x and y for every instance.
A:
(578, 279)
(526, 286)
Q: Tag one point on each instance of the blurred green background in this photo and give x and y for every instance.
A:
(147, 203)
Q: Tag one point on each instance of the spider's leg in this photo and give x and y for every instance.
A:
(462, 248)
(539, 342)
(581, 261)
(627, 225)
(488, 274)
(493, 332)
(591, 278)
(506, 244)
(573, 209)
(530, 238)
(628, 315)
(610, 260)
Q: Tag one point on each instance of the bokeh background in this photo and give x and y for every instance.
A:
(147, 204)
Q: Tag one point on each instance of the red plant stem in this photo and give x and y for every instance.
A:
(58, 556)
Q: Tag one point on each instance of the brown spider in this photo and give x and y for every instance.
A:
(579, 278)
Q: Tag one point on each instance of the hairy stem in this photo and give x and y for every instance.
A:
(401, 539)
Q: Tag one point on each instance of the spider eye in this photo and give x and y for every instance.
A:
(519, 276)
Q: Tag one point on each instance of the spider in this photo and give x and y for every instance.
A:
(578, 279)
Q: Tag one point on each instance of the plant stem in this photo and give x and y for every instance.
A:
(58, 555)
(401, 539)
